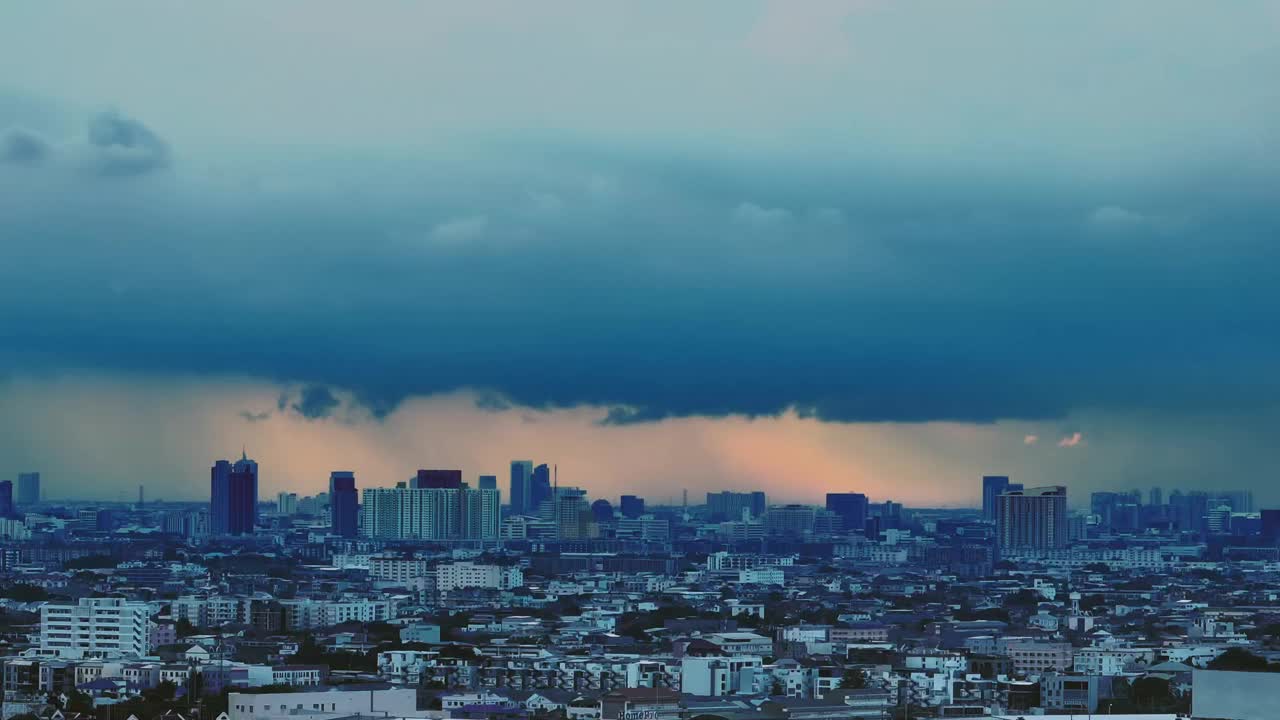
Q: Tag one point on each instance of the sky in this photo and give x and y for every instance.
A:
(875, 246)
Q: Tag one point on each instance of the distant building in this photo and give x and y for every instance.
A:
(287, 503)
(487, 482)
(233, 497)
(6, 498)
(521, 479)
(95, 628)
(631, 506)
(28, 488)
(1032, 519)
(539, 486)
(344, 504)
(993, 486)
(437, 479)
(602, 511)
(459, 575)
(851, 507)
(729, 505)
(402, 513)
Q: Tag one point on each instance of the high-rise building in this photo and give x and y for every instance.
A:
(1270, 520)
(440, 479)
(28, 488)
(851, 507)
(404, 513)
(539, 487)
(570, 513)
(790, 520)
(344, 504)
(233, 496)
(1155, 497)
(6, 498)
(488, 482)
(993, 486)
(521, 499)
(1032, 519)
(729, 505)
(632, 507)
(287, 503)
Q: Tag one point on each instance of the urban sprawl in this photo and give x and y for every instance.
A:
(445, 598)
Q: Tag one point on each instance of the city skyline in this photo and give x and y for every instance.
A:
(819, 247)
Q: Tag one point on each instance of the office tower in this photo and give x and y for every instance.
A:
(790, 520)
(233, 496)
(1155, 496)
(851, 508)
(993, 486)
(287, 503)
(570, 513)
(95, 628)
(344, 505)
(632, 507)
(1270, 520)
(539, 486)
(28, 488)
(404, 513)
(602, 511)
(521, 497)
(728, 505)
(488, 482)
(6, 498)
(1032, 519)
(439, 479)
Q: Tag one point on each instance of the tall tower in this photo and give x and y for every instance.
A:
(28, 488)
(233, 496)
(521, 487)
(1032, 519)
(344, 506)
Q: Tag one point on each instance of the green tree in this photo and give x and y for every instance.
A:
(853, 679)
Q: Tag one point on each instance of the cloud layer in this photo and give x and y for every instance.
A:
(836, 211)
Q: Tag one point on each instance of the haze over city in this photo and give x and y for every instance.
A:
(800, 247)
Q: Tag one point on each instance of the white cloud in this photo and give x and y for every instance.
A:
(1072, 440)
(1030, 439)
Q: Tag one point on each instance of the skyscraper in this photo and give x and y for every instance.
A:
(344, 505)
(632, 507)
(851, 507)
(405, 513)
(6, 498)
(521, 479)
(993, 486)
(233, 496)
(1032, 519)
(28, 488)
(539, 487)
(488, 482)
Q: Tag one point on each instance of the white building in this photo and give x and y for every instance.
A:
(396, 703)
(717, 676)
(454, 576)
(95, 627)
(398, 569)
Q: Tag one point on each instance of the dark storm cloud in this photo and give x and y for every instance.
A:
(315, 402)
(22, 147)
(124, 146)
(849, 284)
